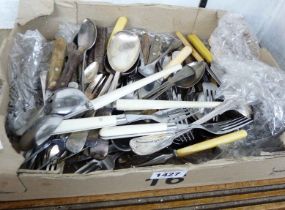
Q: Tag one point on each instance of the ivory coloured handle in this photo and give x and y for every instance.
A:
(225, 139)
(140, 104)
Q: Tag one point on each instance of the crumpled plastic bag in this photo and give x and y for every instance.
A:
(29, 56)
(259, 85)
(247, 80)
(68, 31)
(233, 38)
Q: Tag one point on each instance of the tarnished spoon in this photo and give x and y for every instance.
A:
(86, 39)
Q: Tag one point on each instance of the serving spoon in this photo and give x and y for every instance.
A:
(122, 52)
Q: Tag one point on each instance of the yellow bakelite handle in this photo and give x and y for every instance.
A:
(183, 39)
(200, 47)
(225, 139)
(119, 26)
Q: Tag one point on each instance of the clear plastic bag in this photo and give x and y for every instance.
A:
(247, 80)
(68, 31)
(29, 56)
(233, 38)
(259, 85)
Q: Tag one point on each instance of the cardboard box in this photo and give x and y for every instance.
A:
(45, 15)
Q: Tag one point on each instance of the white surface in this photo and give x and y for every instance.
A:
(192, 3)
(8, 11)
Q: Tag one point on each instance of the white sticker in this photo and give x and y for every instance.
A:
(168, 174)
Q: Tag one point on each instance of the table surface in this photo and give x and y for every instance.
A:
(262, 194)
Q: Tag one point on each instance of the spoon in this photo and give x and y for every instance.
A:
(122, 52)
(43, 128)
(90, 72)
(65, 101)
(86, 39)
(199, 69)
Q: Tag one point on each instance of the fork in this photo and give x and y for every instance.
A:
(163, 116)
(90, 123)
(127, 131)
(209, 91)
(150, 144)
(184, 138)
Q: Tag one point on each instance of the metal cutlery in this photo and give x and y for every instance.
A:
(90, 123)
(127, 131)
(140, 104)
(208, 144)
(186, 73)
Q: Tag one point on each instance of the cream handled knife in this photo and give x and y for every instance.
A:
(140, 104)
(127, 131)
(90, 123)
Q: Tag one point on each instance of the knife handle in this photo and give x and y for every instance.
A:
(181, 56)
(56, 64)
(225, 139)
(183, 39)
(200, 47)
(141, 104)
(126, 131)
(74, 59)
(85, 124)
(108, 98)
(145, 46)
(119, 26)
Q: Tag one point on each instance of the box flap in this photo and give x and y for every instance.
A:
(164, 17)
(9, 159)
(31, 9)
(266, 57)
(9, 164)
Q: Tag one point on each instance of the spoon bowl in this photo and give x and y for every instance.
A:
(123, 51)
(87, 35)
(65, 101)
(86, 39)
(199, 69)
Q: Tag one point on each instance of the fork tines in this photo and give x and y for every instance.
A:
(235, 123)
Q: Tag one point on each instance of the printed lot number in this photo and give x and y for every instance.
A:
(168, 174)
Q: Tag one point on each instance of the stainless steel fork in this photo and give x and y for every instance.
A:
(184, 138)
(224, 126)
(127, 131)
(163, 116)
(210, 91)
